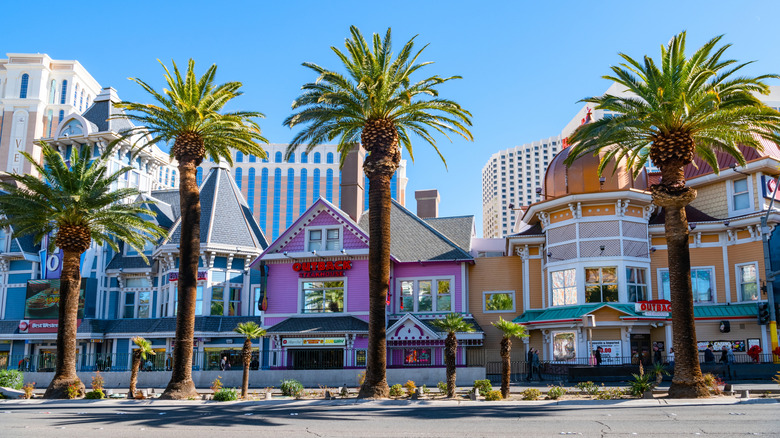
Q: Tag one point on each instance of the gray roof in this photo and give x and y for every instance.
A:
(458, 229)
(127, 262)
(413, 239)
(99, 113)
(320, 324)
(169, 198)
(25, 244)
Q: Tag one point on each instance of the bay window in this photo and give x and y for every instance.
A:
(564, 287)
(601, 285)
(426, 295)
(323, 296)
(137, 303)
(637, 284)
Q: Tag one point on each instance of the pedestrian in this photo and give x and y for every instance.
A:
(709, 356)
(730, 355)
(168, 363)
(529, 363)
(597, 354)
(657, 358)
(536, 365)
(223, 363)
(724, 355)
(635, 357)
(670, 357)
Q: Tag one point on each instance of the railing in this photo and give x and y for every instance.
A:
(109, 362)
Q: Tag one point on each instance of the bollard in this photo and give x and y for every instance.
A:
(745, 393)
(417, 393)
(474, 394)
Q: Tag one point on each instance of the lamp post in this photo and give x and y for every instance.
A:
(769, 274)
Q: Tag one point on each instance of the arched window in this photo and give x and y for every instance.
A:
(52, 91)
(239, 174)
(81, 101)
(252, 159)
(23, 88)
(198, 176)
(75, 95)
(316, 186)
(250, 193)
(288, 218)
(278, 157)
(264, 200)
(277, 202)
(49, 122)
(167, 176)
(61, 116)
(292, 158)
(64, 92)
(89, 99)
(239, 157)
(329, 185)
(304, 157)
(173, 177)
(329, 158)
(316, 157)
(302, 196)
(265, 160)
(365, 205)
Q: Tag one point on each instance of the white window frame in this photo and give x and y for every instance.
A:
(226, 289)
(511, 293)
(434, 293)
(730, 194)
(601, 284)
(576, 288)
(299, 292)
(646, 284)
(713, 284)
(738, 276)
(324, 239)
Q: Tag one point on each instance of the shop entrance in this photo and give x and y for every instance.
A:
(641, 349)
(316, 359)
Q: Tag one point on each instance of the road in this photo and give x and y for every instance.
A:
(628, 418)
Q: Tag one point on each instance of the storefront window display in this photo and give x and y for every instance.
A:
(233, 359)
(564, 346)
(564, 287)
(601, 285)
(323, 296)
(417, 356)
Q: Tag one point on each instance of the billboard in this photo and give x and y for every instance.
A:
(43, 299)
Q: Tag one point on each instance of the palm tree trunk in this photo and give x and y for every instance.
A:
(379, 167)
(181, 386)
(688, 381)
(134, 373)
(450, 354)
(67, 325)
(247, 359)
(506, 346)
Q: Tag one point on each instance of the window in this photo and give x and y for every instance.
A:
(250, 193)
(501, 301)
(302, 197)
(564, 287)
(220, 301)
(129, 308)
(288, 217)
(740, 198)
(52, 91)
(601, 285)
(61, 116)
(75, 95)
(324, 239)
(323, 296)
(637, 284)
(316, 186)
(278, 157)
(63, 95)
(239, 174)
(263, 195)
(317, 158)
(291, 159)
(304, 157)
(360, 358)
(253, 159)
(417, 356)
(164, 298)
(428, 295)
(277, 203)
(23, 88)
(329, 158)
(3, 238)
(199, 176)
(701, 284)
(329, 185)
(239, 157)
(748, 282)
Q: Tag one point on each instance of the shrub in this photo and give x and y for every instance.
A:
(410, 387)
(361, 378)
(712, 381)
(396, 390)
(226, 394)
(555, 392)
(484, 386)
(216, 384)
(28, 390)
(11, 379)
(777, 377)
(531, 394)
(442, 387)
(493, 395)
(97, 382)
(74, 389)
(291, 388)
(640, 384)
(610, 394)
(426, 390)
(588, 388)
(95, 394)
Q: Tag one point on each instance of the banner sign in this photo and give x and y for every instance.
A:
(40, 325)
(654, 307)
(738, 346)
(43, 299)
(609, 349)
(174, 276)
(328, 342)
(322, 269)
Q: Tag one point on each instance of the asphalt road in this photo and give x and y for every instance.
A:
(630, 418)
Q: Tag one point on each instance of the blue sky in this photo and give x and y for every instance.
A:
(524, 64)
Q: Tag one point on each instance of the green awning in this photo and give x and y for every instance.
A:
(726, 310)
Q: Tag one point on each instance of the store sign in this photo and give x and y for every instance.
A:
(769, 185)
(297, 342)
(654, 308)
(174, 276)
(322, 269)
(609, 349)
(40, 325)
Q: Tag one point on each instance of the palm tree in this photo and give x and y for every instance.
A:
(188, 114)
(250, 330)
(509, 330)
(73, 200)
(376, 105)
(687, 106)
(139, 354)
(452, 323)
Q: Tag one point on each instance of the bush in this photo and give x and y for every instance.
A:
(493, 395)
(555, 392)
(396, 390)
(97, 382)
(95, 394)
(531, 394)
(11, 379)
(610, 394)
(216, 385)
(588, 388)
(28, 390)
(712, 381)
(640, 385)
(74, 389)
(426, 390)
(410, 387)
(226, 394)
(777, 377)
(484, 386)
(291, 388)
(442, 387)
(361, 378)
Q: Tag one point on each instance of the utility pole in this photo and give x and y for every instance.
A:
(769, 274)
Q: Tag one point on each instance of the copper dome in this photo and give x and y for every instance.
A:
(583, 177)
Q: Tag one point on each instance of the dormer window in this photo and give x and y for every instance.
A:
(324, 239)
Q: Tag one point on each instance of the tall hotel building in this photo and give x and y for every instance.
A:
(511, 177)
(279, 191)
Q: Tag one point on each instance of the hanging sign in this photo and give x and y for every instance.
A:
(654, 307)
(322, 269)
(769, 185)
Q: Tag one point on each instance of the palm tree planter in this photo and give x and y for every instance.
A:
(144, 348)
(377, 106)
(509, 330)
(249, 330)
(689, 106)
(75, 203)
(452, 324)
(188, 114)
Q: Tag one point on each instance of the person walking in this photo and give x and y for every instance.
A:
(670, 357)
(657, 358)
(223, 363)
(536, 365)
(709, 356)
(529, 363)
(597, 355)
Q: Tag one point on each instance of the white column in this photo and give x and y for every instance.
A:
(668, 333)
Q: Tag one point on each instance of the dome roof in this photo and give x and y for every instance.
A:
(583, 177)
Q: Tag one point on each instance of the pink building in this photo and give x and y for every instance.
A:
(316, 297)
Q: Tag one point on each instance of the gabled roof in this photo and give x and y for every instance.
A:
(320, 324)
(410, 328)
(571, 313)
(225, 218)
(413, 239)
(459, 229)
(103, 108)
(127, 262)
(693, 215)
(171, 199)
(428, 326)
